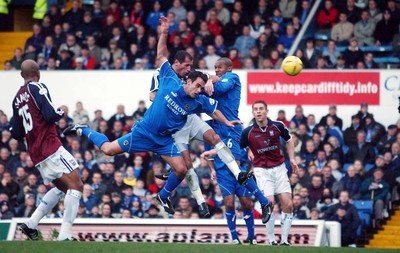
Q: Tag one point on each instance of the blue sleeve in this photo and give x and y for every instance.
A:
(225, 84)
(284, 131)
(17, 129)
(208, 105)
(43, 101)
(244, 139)
(166, 70)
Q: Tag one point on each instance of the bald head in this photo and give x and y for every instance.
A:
(30, 70)
(226, 61)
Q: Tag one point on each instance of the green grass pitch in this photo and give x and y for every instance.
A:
(119, 247)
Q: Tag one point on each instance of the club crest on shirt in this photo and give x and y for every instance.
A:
(187, 107)
(267, 141)
(271, 133)
(126, 142)
(72, 162)
(212, 101)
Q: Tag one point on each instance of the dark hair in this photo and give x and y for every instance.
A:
(193, 75)
(181, 55)
(260, 102)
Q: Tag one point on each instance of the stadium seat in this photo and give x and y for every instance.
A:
(369, 166)
(387, 59)
(387, 48)
(321, 36)
(363, 206)
(365, 220)
(345, 167)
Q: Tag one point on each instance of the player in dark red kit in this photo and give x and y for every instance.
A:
(263, 139)
(34, 117)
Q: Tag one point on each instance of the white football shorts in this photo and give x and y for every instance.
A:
(56, 165)
(273, 181)
(194, 128)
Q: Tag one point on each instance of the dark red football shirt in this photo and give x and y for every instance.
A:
(264, 142)
(34, 116)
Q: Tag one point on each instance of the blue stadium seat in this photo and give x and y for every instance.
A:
(365, 219)
(387, 48)
(369, 166)
(363, 206)
(387, 59)
(345, 167)
(321, 36)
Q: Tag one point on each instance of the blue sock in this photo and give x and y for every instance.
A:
(253, 188)
(96, 137)
(231, 219)
(249, 219)
(172, 182)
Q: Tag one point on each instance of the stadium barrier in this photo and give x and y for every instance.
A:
(303, 232)
(315, 90)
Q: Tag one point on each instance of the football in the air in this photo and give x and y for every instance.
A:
(292, 65)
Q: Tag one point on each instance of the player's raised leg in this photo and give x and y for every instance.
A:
(226, 156)
(99, 139)
(175, 178)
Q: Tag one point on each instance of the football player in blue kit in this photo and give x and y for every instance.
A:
(166, 116)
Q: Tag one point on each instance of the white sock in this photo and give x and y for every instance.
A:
(286, 223)
(49, 201)
(71, 203)
(270, 229)
(225, 154)
(193, 182)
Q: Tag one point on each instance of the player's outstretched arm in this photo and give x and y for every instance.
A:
(162, 50)
(217, 115)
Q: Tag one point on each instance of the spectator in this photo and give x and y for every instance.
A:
(36, 39)
(363, 113)
(137, 14)
(310, 54)
(114, 10)
(27, 209)
(74, 16)
(232, 29)
(394, 10)
(211, 57)
(364, 30)
(361, 150)
(55, 14)
(374, 130)
(311, 124)
(5, 212)
(282, 117)
(347, 215)
(327, 17)
(17, 59)
(385, 29)
(374, 12)
(184, 33)
(353, 53)
(299, 117)
(376, 189)
(98, 15)
(256, 27)
(153, 213)
(387, 140)
(315, 190)
(72, 46)
(288, 38)
(58, 36)
(287, 8)
(87, 28)
(213, 24)
(369, 61)
(179, 10)
(192, 21)
(353, 12)
(343, 31)
(153, 18)
(264, 9)
(300, 212)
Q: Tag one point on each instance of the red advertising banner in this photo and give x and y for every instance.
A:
(313, 88)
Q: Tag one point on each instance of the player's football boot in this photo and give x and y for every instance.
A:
(236, 242)
(266, 212)
(166, 203)
(32, 234)
(74, 129)
(244, 176)
(273, 243)
(203, 210)
(284, 244)
(163, 176)
(250, 241)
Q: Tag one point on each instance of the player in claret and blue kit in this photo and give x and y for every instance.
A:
(34, 117)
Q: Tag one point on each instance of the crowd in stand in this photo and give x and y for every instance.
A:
(256, 34)
(337, 165)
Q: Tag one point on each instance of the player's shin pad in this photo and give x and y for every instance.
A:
(193, 182)
(225, 154)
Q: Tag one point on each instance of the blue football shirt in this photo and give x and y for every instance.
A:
(171, 106)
